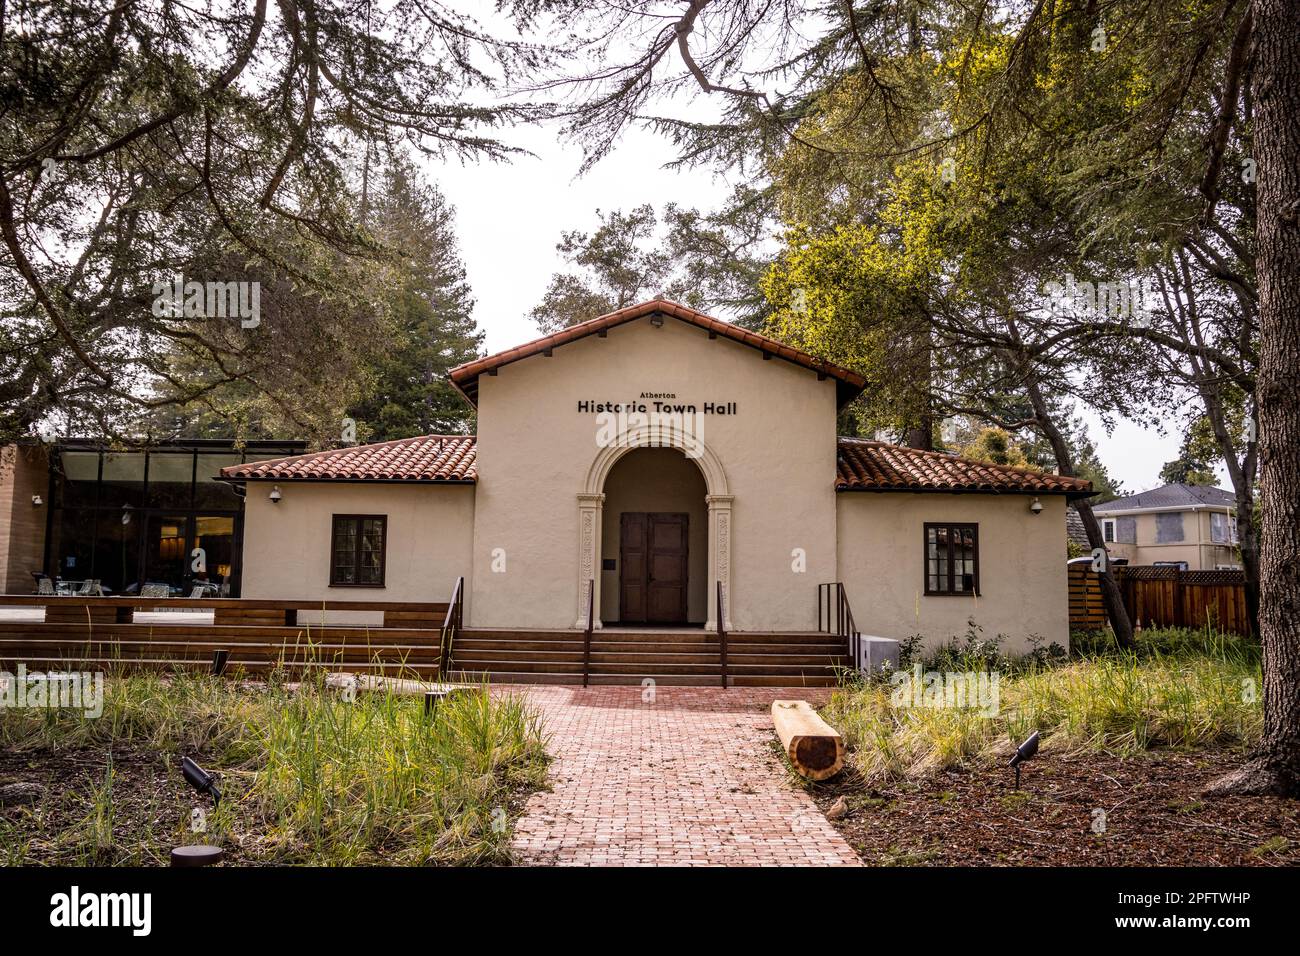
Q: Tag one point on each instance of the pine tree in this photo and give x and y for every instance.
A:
(430, 311)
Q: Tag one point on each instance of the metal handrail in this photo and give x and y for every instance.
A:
(833, 609)
(586, 641)
(451, 625)
(722, 634)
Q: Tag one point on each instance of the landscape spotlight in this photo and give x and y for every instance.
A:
(200, 779)
(1025, 751)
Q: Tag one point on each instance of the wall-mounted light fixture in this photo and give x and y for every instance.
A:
(37, 501)
(275, 495)
(1036, 506)
(657, 321)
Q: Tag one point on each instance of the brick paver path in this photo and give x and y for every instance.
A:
(691, 778)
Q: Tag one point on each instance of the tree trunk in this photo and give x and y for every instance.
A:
(1111, 595)
(1242, 475)
(1248, 543)
(921, 434)
(1274, 767)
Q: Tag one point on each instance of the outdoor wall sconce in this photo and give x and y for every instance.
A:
(37, 501)
(275, 495)
(657, 321)
(1036, 506)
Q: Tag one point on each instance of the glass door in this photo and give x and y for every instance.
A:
(215, 534)
(167, 545)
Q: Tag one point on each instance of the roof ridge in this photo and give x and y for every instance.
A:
(464, 377)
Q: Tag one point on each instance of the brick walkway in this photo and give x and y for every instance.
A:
(691, 778)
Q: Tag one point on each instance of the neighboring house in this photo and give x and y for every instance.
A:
(1189, 526)
(1075, 533)
(581, 486)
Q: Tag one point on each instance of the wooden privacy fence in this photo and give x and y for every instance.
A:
(1163, 597)
(258, 635)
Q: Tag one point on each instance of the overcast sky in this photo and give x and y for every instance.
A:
(510, 216)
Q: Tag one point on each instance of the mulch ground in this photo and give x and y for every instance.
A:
(151, 811)
(1155, 815)
(151, 806)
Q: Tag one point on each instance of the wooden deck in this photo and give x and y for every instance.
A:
(298, 636)
(258, 635)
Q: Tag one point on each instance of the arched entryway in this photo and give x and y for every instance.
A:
(654, 540)
(665, 474)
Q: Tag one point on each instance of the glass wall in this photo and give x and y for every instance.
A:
(158, 518)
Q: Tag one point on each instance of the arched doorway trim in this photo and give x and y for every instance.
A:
(718, 497)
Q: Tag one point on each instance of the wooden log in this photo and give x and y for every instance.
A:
(369, 683)
(813, 746)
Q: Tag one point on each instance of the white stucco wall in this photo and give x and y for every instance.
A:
(535, 449)
(1023, 588)
(287, 545)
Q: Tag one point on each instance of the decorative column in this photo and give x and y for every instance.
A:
(719, 558)
(590, 508)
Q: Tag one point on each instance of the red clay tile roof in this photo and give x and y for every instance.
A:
(448, 458)
(848, 383)
(862, 465)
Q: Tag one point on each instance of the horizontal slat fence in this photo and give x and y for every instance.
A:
(1087, 612)
(1163, 597)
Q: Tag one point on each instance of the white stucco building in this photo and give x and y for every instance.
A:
(657, 457)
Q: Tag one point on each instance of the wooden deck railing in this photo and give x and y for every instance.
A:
(75, 609)
(246, 634)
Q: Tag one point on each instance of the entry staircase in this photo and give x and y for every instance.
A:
(670, 656)
(682, 656)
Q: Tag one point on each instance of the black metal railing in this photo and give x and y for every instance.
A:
(834, 616)
(591, 623)
(722, 634)
(451, 625)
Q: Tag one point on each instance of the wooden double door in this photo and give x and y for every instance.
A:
(653, 559)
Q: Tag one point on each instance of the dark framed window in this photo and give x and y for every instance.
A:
(357, 545)
(952, 559)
